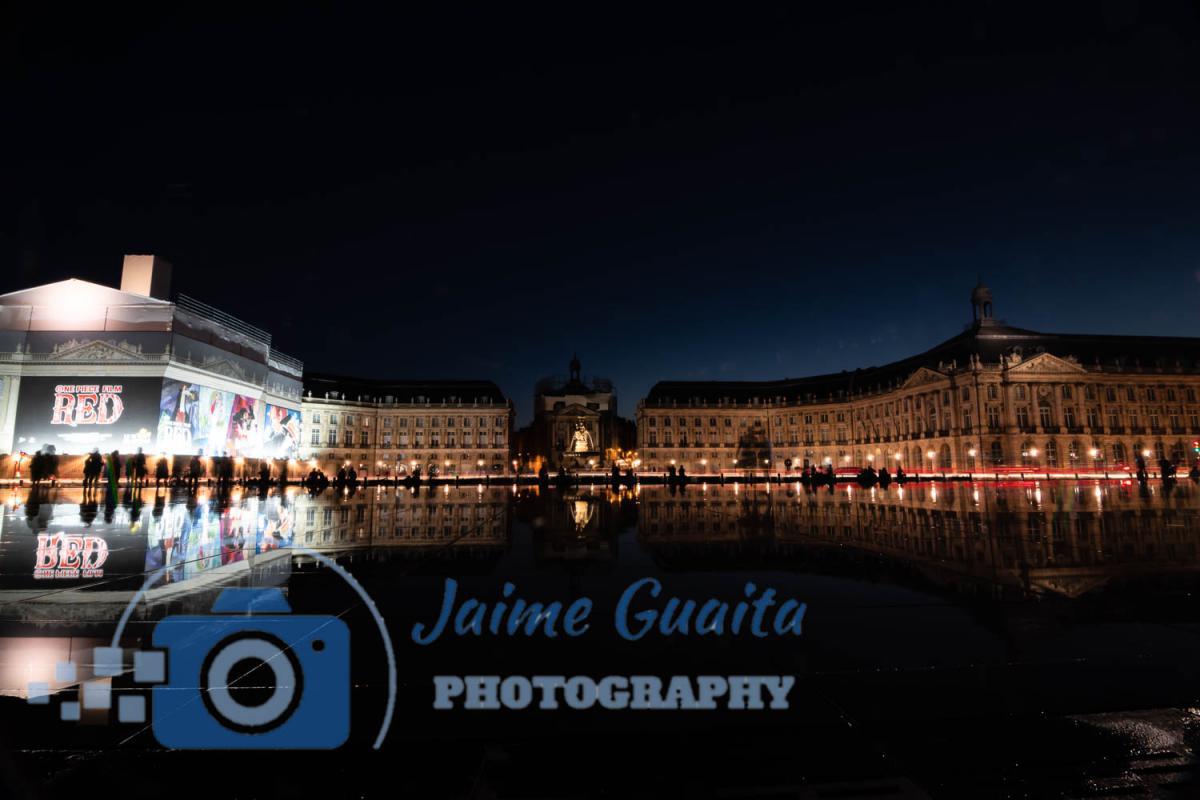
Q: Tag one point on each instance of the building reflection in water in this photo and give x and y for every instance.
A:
(1059, 538)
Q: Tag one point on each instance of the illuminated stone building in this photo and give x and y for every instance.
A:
(86, 366)
(992, 396)
(575, 424)
(388, 428)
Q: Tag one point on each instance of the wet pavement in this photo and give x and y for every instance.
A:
(960, 640)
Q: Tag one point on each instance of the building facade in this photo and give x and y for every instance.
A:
(575, 425)
(85, 366)
(392, 428)
(994, 396)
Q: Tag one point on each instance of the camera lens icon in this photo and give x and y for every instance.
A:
(252, 675)
(251, 682)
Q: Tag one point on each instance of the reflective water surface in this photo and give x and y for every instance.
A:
(960, 640)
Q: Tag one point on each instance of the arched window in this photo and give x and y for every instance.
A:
(1118, 452)
(944, 459)
(1051, 453)
(1139, 449)
(1028, 454)
(997, 454)
(1072, 453)
(1158, 451)
(1177, 452)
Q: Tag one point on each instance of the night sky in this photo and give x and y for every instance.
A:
(683, 194)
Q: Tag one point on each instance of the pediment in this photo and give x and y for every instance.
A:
(96, 350)
(225, 367)
(923, 376)
(576, 410)
(1046, 363)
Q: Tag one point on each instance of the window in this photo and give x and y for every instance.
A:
(966, 393)
(1066, 391)
(1110, 394)
(1051, 453)
(1023, 416)
(992, 392)
(316, 437)
(997, 454)
(316, 418)
(1045, 416)
(349, 420)
(1019, 391)
(1089, 392)
(362, 438)
(1069, 417)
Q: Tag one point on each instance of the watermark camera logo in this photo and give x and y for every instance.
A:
(249, 676)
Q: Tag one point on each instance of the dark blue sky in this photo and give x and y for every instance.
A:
(672, 195)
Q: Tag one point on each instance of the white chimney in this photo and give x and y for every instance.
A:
(146, 275)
